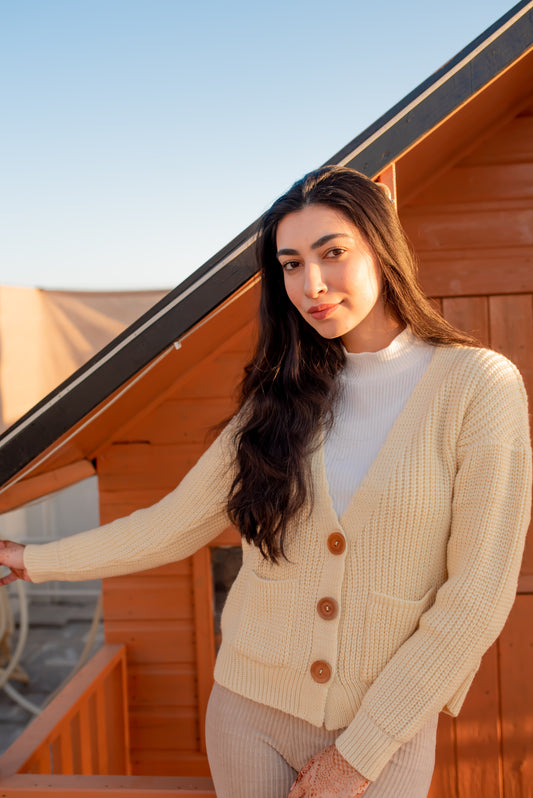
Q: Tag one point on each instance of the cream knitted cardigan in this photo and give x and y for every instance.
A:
(434, 539)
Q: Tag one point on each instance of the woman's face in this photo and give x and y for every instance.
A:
(333, 278)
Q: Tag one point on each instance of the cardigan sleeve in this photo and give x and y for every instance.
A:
(182, 522)
(490, 516)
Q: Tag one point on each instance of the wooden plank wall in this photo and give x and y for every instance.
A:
(160, 614)
(472, 228)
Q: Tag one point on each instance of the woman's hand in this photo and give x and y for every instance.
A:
(12, 555)
(328, 775)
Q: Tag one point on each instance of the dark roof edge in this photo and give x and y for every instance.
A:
(128, 353)
(232, 266)
(434, 88)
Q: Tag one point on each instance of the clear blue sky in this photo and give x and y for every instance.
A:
(140, 136)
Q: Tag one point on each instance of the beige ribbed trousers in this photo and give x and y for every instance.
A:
(255, 751)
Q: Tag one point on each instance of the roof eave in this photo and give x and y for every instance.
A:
(226, 272)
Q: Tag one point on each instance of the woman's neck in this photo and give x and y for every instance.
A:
(374, 335)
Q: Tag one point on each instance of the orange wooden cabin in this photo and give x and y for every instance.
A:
(458, 154)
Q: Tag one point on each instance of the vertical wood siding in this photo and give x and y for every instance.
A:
(473, 231)
(161, 614)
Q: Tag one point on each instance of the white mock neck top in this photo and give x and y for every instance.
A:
(375, 387)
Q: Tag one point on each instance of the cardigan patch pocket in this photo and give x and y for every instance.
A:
(389, 621)
(265, 627)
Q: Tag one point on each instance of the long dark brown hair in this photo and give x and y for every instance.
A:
(289, 388)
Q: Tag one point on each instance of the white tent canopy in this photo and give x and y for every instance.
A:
(46, 335)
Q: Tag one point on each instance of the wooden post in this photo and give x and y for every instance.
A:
(388, 178)
(205, 636)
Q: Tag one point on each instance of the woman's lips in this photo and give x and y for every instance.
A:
(322, 311)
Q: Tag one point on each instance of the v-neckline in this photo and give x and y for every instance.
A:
(365, 497)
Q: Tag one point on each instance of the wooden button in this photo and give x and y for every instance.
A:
(336, 543)
(327, 608)
(320, 671)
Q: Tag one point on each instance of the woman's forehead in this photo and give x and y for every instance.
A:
(311, 223)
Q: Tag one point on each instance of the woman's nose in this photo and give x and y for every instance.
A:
(314, 283)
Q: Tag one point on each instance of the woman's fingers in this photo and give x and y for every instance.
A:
(297, 790)
(5, 580)
(12, 556)
(329, 775)
(303, 780)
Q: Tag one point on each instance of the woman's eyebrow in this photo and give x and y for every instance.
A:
(321, 241)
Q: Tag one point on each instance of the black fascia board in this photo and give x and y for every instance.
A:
(412, 123)
(125, 356)
(226, 272)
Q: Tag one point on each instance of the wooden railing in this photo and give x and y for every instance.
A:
(79, 745)
(84, 730)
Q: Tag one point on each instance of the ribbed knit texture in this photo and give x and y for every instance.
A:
(257, 751)
(374, 389)
(434, 539)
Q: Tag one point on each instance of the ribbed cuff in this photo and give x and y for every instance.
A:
(365, 746)
(42, 561)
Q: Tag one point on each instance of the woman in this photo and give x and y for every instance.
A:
(379, 474)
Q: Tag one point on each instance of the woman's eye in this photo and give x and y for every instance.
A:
(290, 265)
(335, 252)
